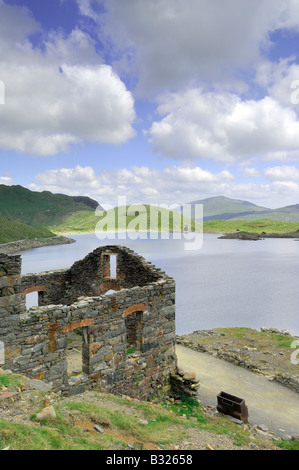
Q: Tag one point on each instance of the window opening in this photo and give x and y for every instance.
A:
(31, 300)
(113, 266)
(110, 266)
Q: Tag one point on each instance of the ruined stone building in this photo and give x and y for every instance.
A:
(128, 335)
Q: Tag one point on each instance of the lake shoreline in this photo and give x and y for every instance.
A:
(30, 244)
(222, 235)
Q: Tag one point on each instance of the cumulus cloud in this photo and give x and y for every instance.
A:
(7, 180)
(251, 172)
(223, 127)
(171, 43)
(86, 9)
(280, 80)
(172, 185)
(52, 102)
(286, 188)
(282, 173)
(71, 178)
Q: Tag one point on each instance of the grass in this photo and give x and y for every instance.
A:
(280, 340)
(14, 382)
(81, 221)
(37, 209)
(144, 218)
(127, 424)
(61, 437)
(12, 231)
(255, 226)
(73, 427)
(190, 408)
(293, 445)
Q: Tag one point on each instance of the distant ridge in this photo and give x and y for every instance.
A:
(224, 208)
(87, 201)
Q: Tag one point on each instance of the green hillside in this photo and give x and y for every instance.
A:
(40, 208)
(255, 226)
(78, 222)
(59, 213)
(125, 218)
(11, 231)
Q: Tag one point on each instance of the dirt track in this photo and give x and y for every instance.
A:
(269, 403)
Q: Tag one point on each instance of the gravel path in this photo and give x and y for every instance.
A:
(269, 403)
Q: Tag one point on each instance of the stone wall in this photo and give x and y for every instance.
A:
(128, 336)
(11, 300)
(91, 276)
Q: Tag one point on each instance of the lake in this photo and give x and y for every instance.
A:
(226, 283)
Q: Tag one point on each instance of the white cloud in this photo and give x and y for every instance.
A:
(171, 43)
(73, 179)
(251, 172)
(172, 185)
(282, 173)
(281, 81)
(286, 187)
(222, 127)
(51, 102)
(139, 184)
(7, 180)
(77, 47)
(86, 9)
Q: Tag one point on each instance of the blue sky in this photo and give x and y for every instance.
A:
(161, 101)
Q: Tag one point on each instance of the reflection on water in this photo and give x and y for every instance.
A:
(225, 283)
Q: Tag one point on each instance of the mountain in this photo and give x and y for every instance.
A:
(43, 209)
(284, 214)
(224, 208)
(74, 214)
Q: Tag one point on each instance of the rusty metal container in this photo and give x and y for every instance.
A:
(233, 406)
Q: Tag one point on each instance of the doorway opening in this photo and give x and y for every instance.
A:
(77, 355)
(134, 327)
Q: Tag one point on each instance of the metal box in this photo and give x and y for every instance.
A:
(233, 406)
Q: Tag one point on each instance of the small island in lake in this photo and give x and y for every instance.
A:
(240, 235)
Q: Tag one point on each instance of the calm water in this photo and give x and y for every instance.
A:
(225, 283)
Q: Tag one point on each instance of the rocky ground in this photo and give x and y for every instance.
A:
(266, 352)
(34, 405)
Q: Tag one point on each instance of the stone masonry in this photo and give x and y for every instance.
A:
(128, 336)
